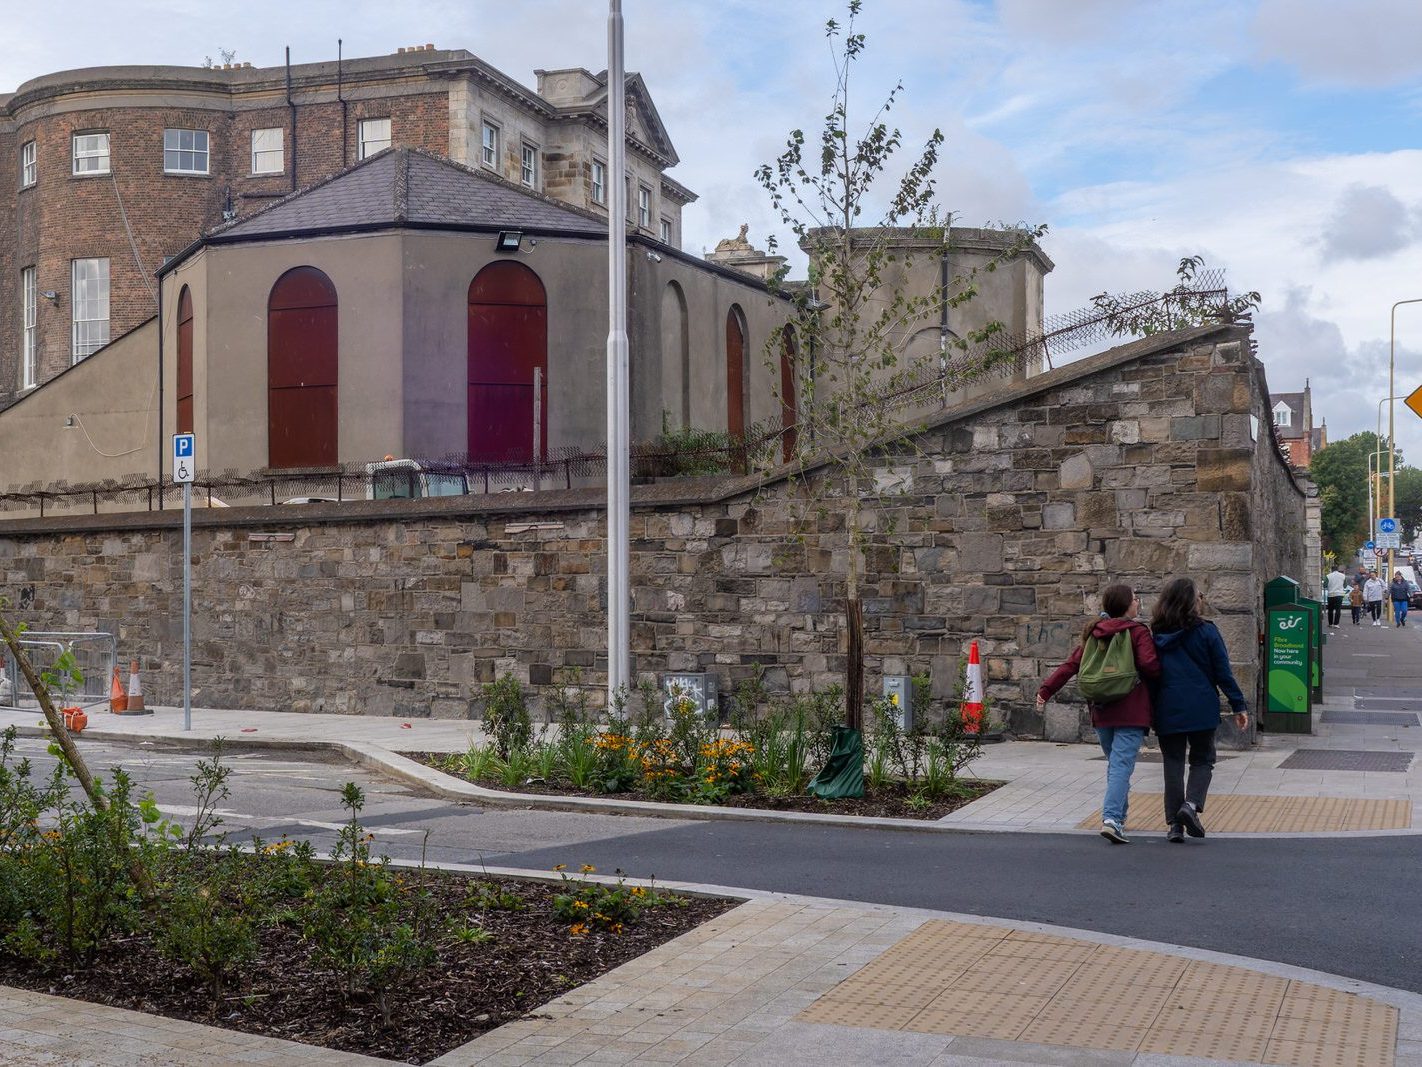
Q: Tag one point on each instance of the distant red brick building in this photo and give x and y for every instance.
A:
(1293, 425)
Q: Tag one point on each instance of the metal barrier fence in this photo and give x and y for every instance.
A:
(95, 656)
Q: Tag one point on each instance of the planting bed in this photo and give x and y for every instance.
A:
(529, 959)
(892, 801)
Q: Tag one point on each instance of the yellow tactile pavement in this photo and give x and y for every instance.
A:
(1232, 813)
(1014, 985)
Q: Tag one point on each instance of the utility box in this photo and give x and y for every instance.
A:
(898, 691)
(1288, 670)
(699, 687)
(1280, 591)
(1318, 635)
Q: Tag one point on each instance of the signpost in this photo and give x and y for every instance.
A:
(184, 467)
(1413, 400)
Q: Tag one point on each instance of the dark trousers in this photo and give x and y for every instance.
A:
(1335, 610)
(1201, 746)
(1375, 609)
(1357, 612)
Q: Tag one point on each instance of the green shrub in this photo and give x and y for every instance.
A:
(506, 718)
(209, 919)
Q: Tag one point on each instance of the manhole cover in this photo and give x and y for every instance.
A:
(1334, 759)
(1370, 718)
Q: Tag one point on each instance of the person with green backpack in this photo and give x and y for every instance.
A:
(1115, 654)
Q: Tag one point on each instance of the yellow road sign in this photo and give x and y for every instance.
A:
(1414, 401)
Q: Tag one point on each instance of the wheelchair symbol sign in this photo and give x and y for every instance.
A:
(184, 457)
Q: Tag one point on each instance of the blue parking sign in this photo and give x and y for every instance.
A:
(184, 457)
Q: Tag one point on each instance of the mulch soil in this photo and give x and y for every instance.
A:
(890, 802)
(531, 960)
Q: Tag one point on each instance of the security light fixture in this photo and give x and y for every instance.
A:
(654, 257)
(51, 296)
(509, 240)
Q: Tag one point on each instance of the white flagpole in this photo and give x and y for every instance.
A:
(618, 435)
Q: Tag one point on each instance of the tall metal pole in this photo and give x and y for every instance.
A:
(1391, 409)
(618, 439)
(187, 605)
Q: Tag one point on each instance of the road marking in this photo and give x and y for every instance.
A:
(1372, 655)
(183, 809)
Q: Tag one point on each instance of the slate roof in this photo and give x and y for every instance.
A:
(411, 187)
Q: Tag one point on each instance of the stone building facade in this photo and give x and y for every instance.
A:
(111, 171)
(1000, 522)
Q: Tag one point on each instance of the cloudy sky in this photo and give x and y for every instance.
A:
(1280, 139)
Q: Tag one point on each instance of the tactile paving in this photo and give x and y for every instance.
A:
(1234, 813)
(1011, 985)
(1346, 759)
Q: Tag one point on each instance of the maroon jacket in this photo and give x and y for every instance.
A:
(1133, 709)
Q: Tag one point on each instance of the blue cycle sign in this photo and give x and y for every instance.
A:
(1387, 526)
(1388, 535)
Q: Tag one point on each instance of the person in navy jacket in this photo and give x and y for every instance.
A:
(1121, 725)
(1194, 669)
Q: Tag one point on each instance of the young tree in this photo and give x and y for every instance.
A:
(857, 313)
(1341, 473)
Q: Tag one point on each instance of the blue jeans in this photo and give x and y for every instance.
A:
(1121, 745)
(1399, 611)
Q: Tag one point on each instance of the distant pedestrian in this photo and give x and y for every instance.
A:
(1120, 723)
(1374, 591)
(1333, 587)
(1355, 601)
(1400, 592)
(1194, 669)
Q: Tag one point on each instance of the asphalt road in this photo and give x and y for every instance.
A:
(1342, 906)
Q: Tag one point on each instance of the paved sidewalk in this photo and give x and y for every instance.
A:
(1372, 674)
(786, 980)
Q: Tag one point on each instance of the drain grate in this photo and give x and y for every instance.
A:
(1370, 718)
(1339, 759)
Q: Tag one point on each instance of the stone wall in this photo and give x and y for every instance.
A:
(1001, 522)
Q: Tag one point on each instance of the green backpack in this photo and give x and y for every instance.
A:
(1108, 668)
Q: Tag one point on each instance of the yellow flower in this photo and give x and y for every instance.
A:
(638, 891)
(616, 928)
(583, 904)
(561, 867)
(588, 868)
(578, 929)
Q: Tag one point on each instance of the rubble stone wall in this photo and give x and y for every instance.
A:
(1001, 521)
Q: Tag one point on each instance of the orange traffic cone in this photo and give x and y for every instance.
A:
(135, 691)
(118, 699)
(972, 710)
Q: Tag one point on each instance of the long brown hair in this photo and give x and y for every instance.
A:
(1178, 607)
(1115, 602)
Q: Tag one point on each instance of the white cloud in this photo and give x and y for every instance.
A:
(1368, 222)
(1360, 43)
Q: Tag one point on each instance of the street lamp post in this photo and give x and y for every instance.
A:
(1375, 478)
(619, 489)
(1391, 391)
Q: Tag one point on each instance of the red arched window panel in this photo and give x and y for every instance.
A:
(735, 372)
(301, 370)
(508, 351)
(789, 409)
(185, 361)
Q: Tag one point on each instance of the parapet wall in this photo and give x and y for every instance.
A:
(1001, 521)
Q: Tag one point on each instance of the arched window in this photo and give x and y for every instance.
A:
(508, 352)
(676, 351)
(736, 371)
(185, 361)
(789, 408)
(301, 370)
